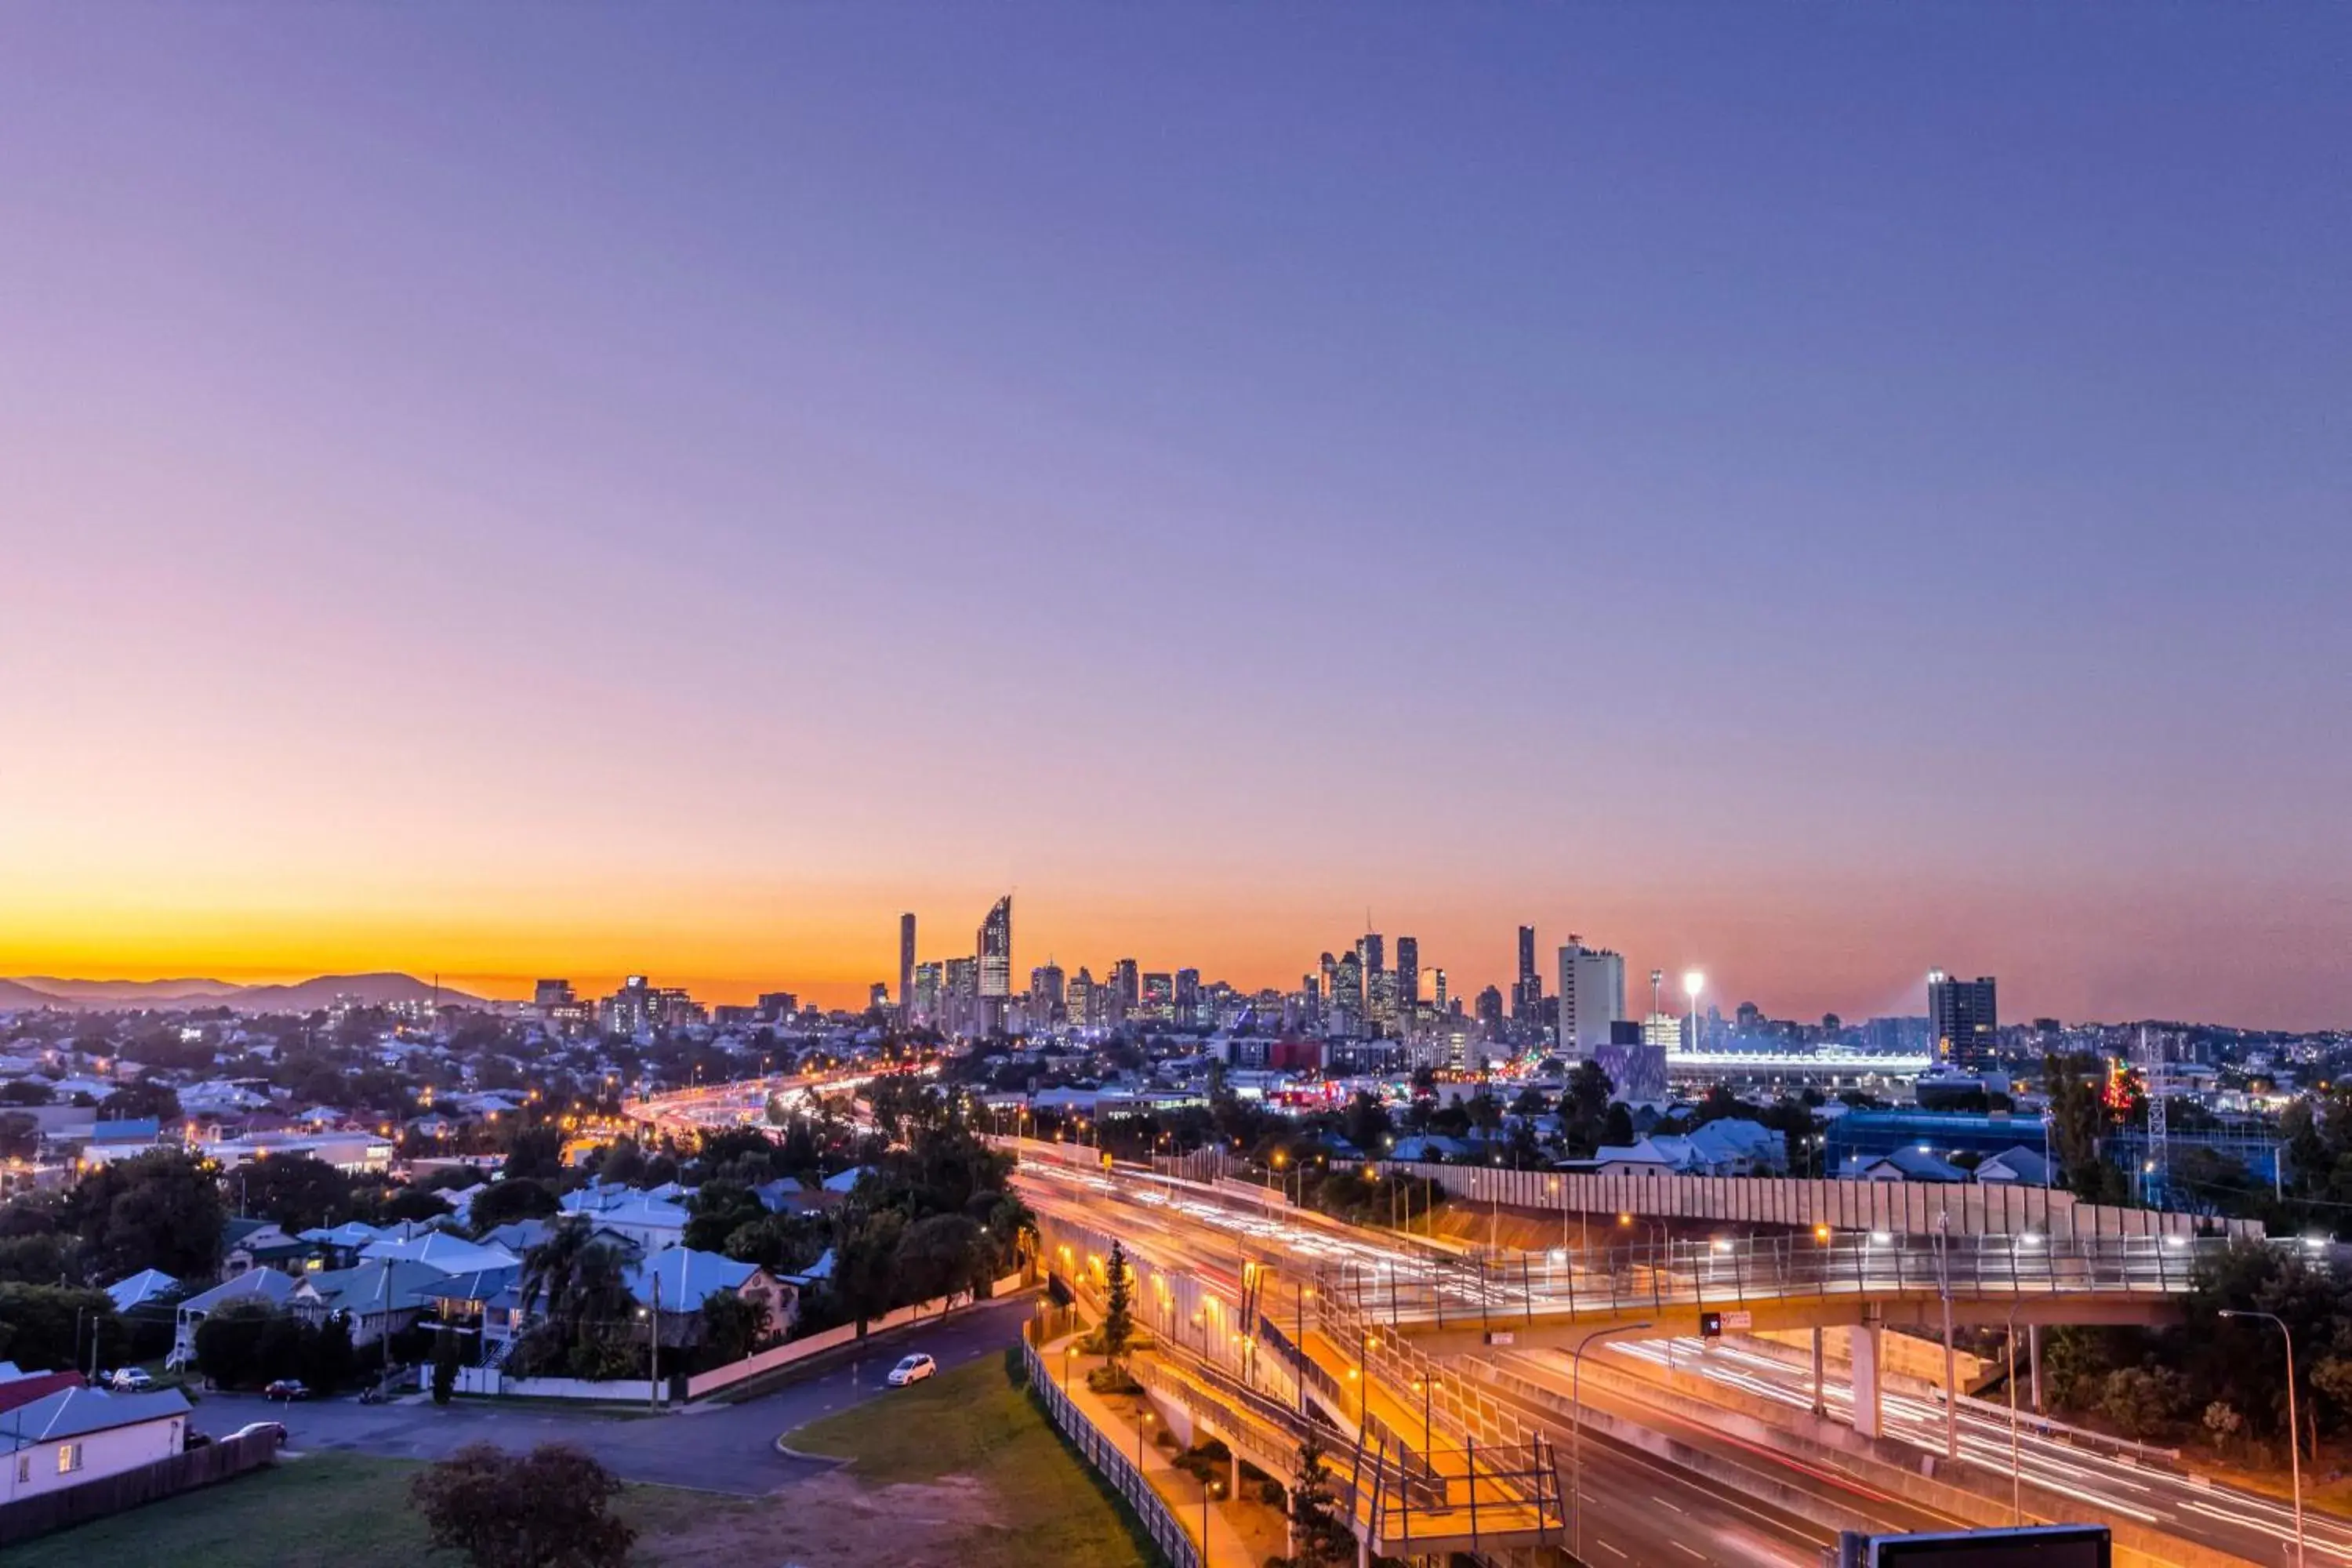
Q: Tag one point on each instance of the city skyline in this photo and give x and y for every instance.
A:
(1811, 498)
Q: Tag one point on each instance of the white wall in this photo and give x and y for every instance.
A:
(103, 1454)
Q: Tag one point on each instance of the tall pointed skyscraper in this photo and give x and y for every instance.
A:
(996, 962)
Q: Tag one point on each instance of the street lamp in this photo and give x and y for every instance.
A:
(1208, 1490)
(2293, 1441)
(1576, 1431)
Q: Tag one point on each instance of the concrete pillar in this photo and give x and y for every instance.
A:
(2033, 1358)
(1234, 1476)
(1364, 1549)
(1821, 1406)
(1865, 1340)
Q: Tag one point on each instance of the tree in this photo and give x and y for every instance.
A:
(939, 1257)
(247, 1344)
(536, 1153)
(865, 1253)
(26, 1091)
(514, 1198)
(1319, 1537)
(730, 1328)
(2141, 1400)
(546, 1509)
(295, 1191)
(46, 1327)
(20, 1136)
(412, 1204)
(328, 1360)
(1365, 1123)
(161, 1211)
(142, 1099)
(2222, 1420)
(1118, 1300)
(589, 1307)
(445, 1367)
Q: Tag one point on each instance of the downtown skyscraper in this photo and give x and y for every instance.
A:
(995, 959)
(906, 966)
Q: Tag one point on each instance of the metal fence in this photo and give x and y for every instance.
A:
(1915, 1207)
(45, 1511)
(1105, 1454)
(1662, 1272)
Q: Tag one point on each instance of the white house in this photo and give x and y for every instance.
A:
(79, 1435)
(640, 1218)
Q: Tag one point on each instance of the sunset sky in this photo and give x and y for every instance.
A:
(1812, 493)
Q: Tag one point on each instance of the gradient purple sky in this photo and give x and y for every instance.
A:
(1813, 493)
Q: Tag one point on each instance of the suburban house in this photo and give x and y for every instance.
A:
(77, 1434)
(149, 1285)
(267, 1286)
(486, 1302)
(1901, 1165)
(446, 1254)
(249, 1243)
(2018, 1164)
(379, 1296)
(678, 1280)
(642, 1220)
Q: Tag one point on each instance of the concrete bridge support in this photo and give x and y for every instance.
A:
(1867, 1383)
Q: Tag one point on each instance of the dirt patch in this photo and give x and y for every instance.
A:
(834, 1521)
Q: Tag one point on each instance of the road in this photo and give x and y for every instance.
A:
(2239, 1523)
(712, 1447)
(1636, 1508)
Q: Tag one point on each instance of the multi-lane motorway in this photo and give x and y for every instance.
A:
(1644, 1508)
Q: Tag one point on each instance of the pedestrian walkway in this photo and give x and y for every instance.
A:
(1227, 1545)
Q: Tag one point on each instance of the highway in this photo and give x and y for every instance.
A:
(1641, 1504)
(2243, 1524)
(1636, 1508)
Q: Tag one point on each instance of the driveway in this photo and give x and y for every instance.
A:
(713, 1447)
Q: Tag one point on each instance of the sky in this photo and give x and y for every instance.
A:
(1809, 493)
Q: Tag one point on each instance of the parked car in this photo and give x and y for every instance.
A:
(274, 1430)
(287, 1388)
(196, 1440)
(912, 1368)
(133, 1379)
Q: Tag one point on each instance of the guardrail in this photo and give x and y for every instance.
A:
(1104, 1454)
(1734, 1274)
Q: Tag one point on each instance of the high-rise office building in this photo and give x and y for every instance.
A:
(1046, 994)
(1159, 997)
(959, 1007)
(1371, 953)
(1187, 998)
(878, 997)
(1490, 1011)
(930, 987)
(1381, 1007)
(1408, 980)
(905, 965)
(1965, 1019)
(1591, 996)
(1438, 995)
(995, 949)
(1125, 990)
(1348, 989)
(1527, 990)
(551, 993)
(776, 1006)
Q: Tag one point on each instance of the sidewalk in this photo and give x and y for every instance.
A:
(1229, 1545)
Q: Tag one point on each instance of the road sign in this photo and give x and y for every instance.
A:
(1739, 1323)
(1710, 1325)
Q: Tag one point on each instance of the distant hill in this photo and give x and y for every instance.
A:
(301, 997)
(376, 990)
(13, 994)
(129, 993)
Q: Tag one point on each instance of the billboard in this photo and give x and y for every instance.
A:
(2035, 1546)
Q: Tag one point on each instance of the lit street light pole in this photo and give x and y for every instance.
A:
(2293, 1437)
(1693, 984)
(1576, 1430)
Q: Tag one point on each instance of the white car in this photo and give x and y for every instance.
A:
(133, 1379)
(912, 1368)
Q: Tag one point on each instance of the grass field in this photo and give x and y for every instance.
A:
(978, 1422)
(324, 1511)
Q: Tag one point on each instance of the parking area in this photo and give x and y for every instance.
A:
(712, 1447)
